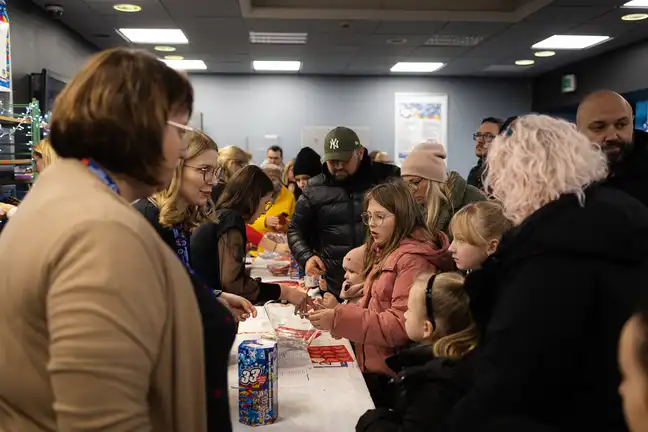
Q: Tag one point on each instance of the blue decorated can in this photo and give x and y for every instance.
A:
(294, 268)
(258, 382)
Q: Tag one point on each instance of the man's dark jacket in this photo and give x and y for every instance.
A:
(475, 175)
(327, 220)
(631, 175)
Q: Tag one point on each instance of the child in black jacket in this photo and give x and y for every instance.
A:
(434, 375)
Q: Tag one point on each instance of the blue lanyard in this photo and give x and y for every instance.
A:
(178, 234)
(181, 247)
(183, 253)
(103, 175)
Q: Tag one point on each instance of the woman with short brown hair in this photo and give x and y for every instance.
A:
(99, 326)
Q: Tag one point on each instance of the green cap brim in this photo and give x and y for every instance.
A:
(338, 156)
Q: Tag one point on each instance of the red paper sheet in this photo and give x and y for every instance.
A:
(330, 356)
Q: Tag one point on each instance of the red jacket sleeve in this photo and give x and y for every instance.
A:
(253, 236)
(385, 328)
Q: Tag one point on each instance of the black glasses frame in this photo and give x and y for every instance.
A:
(428, 302)
(488, 137)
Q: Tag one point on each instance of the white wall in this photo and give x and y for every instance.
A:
(240, 110)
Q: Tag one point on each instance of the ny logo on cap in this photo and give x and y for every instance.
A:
(334, 144)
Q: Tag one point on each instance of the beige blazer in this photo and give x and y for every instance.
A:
(99, 326)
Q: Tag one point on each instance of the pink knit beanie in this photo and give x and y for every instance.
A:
(355, 259)
(426, 160)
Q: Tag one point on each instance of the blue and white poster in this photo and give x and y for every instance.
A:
(419, 117)
(5, 51)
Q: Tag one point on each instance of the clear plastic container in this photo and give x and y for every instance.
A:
(288, 328)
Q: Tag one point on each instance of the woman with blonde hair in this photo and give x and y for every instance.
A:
(556, 293)
(174, 213)
(44, 155)
(441, 194)
(99, 326)
(230, 160)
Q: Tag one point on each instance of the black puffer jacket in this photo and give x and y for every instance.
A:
(551, 303)
(327, 220)
(631, 175)
(426, 388)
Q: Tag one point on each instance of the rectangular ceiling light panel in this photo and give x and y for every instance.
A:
(153, 36)
(570, 42)
(186, 64)
(417, 67)
(278, 38)
(636, 4)
(276, 66)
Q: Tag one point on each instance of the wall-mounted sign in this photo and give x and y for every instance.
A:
(568, 83)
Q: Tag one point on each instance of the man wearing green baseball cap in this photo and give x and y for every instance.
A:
(327, 221)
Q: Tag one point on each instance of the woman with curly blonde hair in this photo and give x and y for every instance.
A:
(555, 294)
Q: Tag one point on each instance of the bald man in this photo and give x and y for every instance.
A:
(606, 118)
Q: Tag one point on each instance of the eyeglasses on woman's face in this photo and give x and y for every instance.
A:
(182, 129)
(210, 174)
(376, 219)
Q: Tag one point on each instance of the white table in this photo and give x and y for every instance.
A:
(259, 269)
(310, 399)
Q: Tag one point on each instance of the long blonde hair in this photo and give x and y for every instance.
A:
(197, 142)
(479, 223)
(438, 196)
(45, 151)
(451, 310)
(397, 199)
(539, 159)
(285, 178)
(230, 158)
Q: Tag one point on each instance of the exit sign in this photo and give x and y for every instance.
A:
(568, 83)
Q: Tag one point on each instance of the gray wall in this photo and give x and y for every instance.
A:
(622, 70)
(38, 42)
(240, 110)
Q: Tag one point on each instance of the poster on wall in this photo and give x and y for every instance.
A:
(5, 53)
(419, 117)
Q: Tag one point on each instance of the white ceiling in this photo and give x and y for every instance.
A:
(350, 37)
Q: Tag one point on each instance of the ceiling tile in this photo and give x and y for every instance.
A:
(568, 15)
(277, 52)
(437, 52)
(473, 28)
(382, 40)
(337, 39)
(385, 51)
(338, 50)
(203, 8)
(409, 27)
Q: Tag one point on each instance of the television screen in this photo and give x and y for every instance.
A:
(641, 116)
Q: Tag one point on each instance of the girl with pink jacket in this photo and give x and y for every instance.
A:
(399, 247)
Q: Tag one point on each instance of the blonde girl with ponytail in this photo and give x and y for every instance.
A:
(435, 373)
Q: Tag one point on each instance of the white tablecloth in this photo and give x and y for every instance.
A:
(258, 269)
(310, 399)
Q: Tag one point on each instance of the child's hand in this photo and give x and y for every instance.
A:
(322, 319)
(330, 301)
(272, 221)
